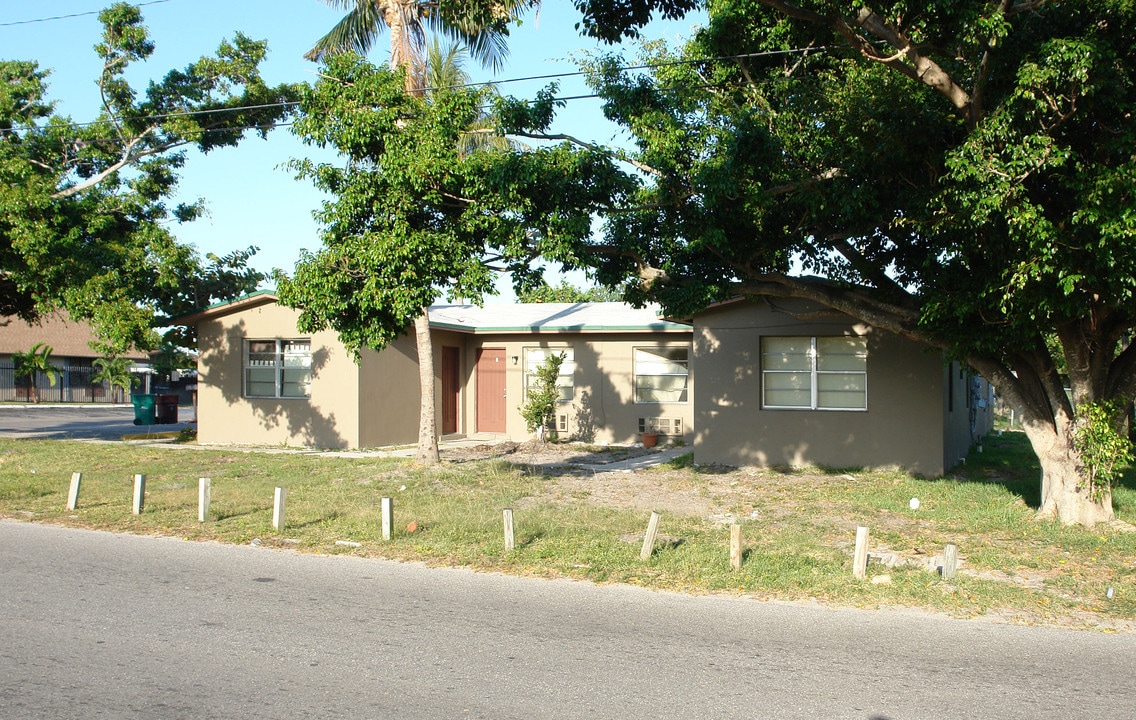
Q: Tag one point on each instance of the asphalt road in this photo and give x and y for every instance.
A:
(79, 422)
(96, 625)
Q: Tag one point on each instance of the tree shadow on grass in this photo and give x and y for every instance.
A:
(219, 516)
(326, 517)
(1007, 460)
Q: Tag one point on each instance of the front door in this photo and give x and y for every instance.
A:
(451, 388)
(491, 390)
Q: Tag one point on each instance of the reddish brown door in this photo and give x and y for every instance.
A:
(451, 388)
(491, 390)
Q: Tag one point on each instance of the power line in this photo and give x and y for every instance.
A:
(72, 15)
(292, 103)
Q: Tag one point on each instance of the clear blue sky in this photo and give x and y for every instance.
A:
(251, 199)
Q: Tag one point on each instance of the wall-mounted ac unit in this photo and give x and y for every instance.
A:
(661, 425)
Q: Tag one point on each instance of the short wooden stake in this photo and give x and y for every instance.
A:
(139, 493)
(860, 561)
(507, 515)
(204, 489)
(278, 508)
(950, 561)
(649, 538)
(388, 517)
(73, 493)
(736, 546)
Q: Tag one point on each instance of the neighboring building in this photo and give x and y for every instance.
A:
(71, 354)
(785, 382)
(260, 381)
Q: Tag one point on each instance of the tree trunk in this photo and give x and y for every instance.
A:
(427, 420)
(1065, 493)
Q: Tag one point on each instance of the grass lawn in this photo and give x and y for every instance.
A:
(799, 525)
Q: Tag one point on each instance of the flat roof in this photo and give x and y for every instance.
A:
(602, 317)
(606, 317)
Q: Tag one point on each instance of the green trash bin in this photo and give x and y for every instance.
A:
(143, 409)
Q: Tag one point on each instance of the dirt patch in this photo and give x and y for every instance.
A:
(536, 453)
(592, 474)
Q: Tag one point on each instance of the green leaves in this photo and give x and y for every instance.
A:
(419, 213)
(83, 215)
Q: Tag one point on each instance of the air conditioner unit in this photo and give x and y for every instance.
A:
(661, 425)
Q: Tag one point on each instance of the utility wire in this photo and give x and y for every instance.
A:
(72, 15)
(159, 116)
(284, 104)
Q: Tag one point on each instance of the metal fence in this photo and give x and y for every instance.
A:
(73, 384)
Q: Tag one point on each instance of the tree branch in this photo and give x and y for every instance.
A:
(592, 146)
(908, 60)
(128, 157)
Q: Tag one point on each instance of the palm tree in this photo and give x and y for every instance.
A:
(445, 71)
(115, 372)
(484, 36)
(407, 21)
(33, 362)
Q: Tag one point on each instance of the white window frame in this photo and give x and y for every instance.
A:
(814, 373)
(659, 350)
(566, 380)
(288, 355)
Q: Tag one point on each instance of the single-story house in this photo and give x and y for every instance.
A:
(71, 354)
(260, 381)
(787, 382)
(778, 382)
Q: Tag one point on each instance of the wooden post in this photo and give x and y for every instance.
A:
(388, 517)
(139, 493)
(508, 517)
(204, 490)
(73, 493)
(649, 538)
(736, 546)
(860, 561)
(950, 561)
(278, 508)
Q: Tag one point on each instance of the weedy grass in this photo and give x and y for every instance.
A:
(798, 525)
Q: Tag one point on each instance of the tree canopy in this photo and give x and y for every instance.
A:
(959, 173)
(84, 214)
(414, 217)
(565, 292)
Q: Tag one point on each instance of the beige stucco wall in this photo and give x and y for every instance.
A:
(603, 409)
(389, 393)
(376, 403)
(329, 418)
(903, 425)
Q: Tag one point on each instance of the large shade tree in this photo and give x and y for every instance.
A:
(483, 27)
(413, 216)
(84, 214)
(962, 174)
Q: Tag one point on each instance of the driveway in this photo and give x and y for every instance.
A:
(80, 422)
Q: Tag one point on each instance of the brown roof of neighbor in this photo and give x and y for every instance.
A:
(67, 338)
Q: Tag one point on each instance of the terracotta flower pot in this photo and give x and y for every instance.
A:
(650, 439)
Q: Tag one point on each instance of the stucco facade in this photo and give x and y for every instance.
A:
(909, 414)
(481, 356)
